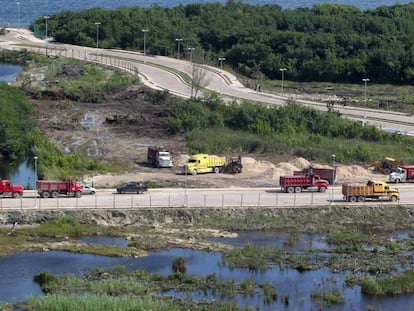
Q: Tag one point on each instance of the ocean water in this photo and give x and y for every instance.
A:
(21, 13)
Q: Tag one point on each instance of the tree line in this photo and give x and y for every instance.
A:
(211, 126)
(328, 42)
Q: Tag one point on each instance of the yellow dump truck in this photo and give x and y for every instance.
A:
(204, 163)
(375, 190)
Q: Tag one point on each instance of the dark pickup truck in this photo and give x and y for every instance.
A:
(132, 187)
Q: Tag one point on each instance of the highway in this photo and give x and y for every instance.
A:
(196, 198)
(165, 73)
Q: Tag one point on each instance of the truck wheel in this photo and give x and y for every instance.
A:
(353, 199)
(298, 189)
(216, 170)
(55, 194)
(393, 198)
(397, 180)
(194, 172)
(78, 194)
(16, 195)
(361, 199)
(322, 189)
(45, 194)
(290, 190)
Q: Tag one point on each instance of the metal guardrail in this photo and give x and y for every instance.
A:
(180, 198)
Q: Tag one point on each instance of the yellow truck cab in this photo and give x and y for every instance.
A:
(204, 163)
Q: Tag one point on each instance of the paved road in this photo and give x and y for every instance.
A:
(192, 198)
(164, 73)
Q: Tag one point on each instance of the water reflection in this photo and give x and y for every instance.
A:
(284, 240)
(8, 73)
(21, 173)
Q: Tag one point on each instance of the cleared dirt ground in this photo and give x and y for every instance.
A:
(119, 131)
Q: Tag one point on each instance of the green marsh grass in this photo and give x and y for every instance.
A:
(399, 284)
(117, 282)
(328, 297)
(252, 257)
(96, 302)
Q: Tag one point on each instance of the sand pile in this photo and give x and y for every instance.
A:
(255, 173)
(180, 160)
(357, 174)
(299, 163)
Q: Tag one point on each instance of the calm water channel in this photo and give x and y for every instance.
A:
(17, 271)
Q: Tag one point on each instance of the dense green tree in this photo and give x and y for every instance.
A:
(328, 42)
(14, 134)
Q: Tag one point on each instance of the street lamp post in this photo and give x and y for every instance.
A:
(46, 17)
(145, 53)
(18, 14)
(333, 177)
(97, 34)
(366, 80)
(221, 59)
(283, 76)
(190, 54)
(178, 46)
(191, 50)
(35, 180)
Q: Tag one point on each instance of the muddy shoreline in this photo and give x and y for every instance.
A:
(389, 217)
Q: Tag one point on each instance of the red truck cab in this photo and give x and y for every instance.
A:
(7, 188)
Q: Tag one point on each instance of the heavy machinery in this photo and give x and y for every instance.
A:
(387, 166)
(375, 190)
(234, 165)
(298, 183)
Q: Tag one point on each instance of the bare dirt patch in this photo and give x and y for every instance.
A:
(119, 130)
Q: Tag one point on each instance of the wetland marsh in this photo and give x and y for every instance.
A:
(325, 265)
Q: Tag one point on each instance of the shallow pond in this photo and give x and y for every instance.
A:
(18, 270)
(8, 73)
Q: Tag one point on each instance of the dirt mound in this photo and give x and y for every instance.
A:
(300, 163)
(356, 174)
(256, 173)
(180, 160)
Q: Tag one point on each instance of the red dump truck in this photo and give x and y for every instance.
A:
(298, 183)
(8, 189)
(328, 174)
(53, 189)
